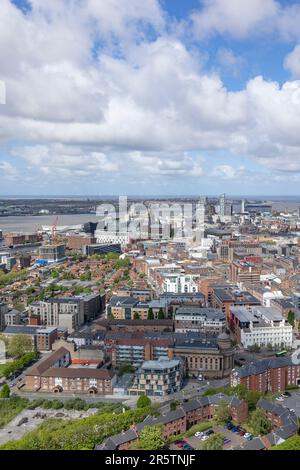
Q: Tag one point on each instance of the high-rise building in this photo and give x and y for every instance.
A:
(222, 205)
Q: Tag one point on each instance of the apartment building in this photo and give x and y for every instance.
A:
(129, 308)
(54, 374)
(177, 422)
(243, 271)
(268, 375)
(262, 326)
(208, 320)
(180, 283)
(67, 312)
(42, 338)
(158, 378)
(52, 253)
(226, 296)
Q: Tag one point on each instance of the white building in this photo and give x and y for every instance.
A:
(180, 284)
(115, 238)
(261, 326)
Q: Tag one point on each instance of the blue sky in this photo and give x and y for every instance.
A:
(152, 97)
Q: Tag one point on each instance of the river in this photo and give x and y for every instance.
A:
(30, 223)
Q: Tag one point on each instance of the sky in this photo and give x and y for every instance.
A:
(152, 97)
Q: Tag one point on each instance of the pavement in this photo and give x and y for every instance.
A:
(234, 438)
(293, 402)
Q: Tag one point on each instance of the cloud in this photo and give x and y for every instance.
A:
(247, 18)
(234, 17)
(142, 113)
(230, 61)
(8, 171)
(292, 62)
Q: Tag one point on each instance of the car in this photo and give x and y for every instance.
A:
(242, 433)
(249, 438)
(187, 447)
(279, 398)
(235, 429)
(247, 435)
(286, 394)
(180, 443)
(199, 434)
(204, 438)
(292, 410)
(209, 432)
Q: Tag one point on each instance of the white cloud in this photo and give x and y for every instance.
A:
(142, 113)
(234, 17)
(292, 62)
(229, 61)
(7, 171)
(241, 19)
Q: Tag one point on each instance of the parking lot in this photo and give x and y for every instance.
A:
(293, 402)
(234, 438)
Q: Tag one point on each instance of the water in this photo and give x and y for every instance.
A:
(30, 223)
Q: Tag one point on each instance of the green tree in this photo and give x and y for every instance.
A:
(125, 368)
(259, 422)
(252, 398)
(293, 443)
(151, 438)
(174, 404)
(19, 345)
(143, 402)
(215, 442)
(5, 392)
(291, 318)
(222, 414)
(161, 314)
(136, 316)
(150, 314)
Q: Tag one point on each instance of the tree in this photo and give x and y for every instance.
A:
(151, 438)
(161, 315)
(252, 398)
(19, 345)
(150, 314)
(136, 316)
(259, 422)
(222, 414)
(143, 402)
(291, 318)
(215, 442)
(5, 392)
(125, 368)
(174, 404)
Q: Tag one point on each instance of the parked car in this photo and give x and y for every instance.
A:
(180, 443)
(187, 447)
(199, 434)
(247, 435)
(235, 429)
(286, 394)
(204, 438)
(280, 398)
(209, 432)
(242, 433)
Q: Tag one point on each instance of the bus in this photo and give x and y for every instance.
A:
(281, 354)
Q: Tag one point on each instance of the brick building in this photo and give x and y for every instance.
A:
(269, 375)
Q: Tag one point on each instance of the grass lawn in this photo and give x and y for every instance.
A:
(10, 408)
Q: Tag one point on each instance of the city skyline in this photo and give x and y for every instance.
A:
(154, 98)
